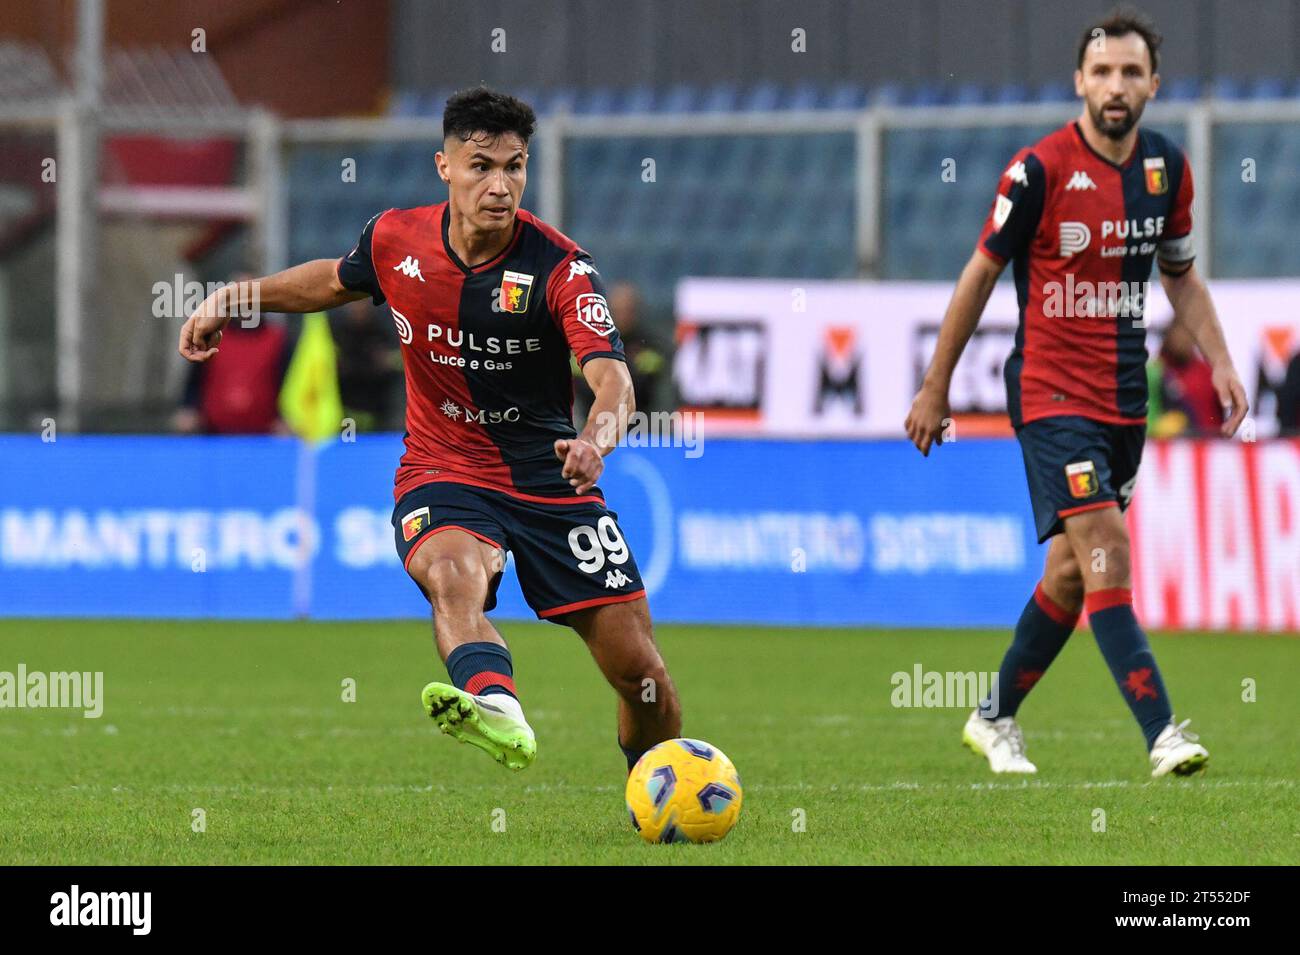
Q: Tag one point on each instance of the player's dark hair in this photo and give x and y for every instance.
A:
(481, 110)
(1120, 22)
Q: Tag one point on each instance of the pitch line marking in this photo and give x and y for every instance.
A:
(905, 787)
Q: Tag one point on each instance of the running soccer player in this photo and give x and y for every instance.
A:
(1081, 215)
(488, 302)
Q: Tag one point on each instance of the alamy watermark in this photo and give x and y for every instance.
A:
(129, 909)
(941, 689)
(59, 690)
(181, 299)
(1085, 299)
(655, 429)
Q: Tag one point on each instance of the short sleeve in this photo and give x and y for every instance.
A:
(356, 270)
(1176, 247)
(1017, 207)
(576, 297)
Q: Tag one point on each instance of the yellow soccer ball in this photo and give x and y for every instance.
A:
(684, 790)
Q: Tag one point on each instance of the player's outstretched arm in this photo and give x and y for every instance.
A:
(309, 287)
(584, 456)
(930, 412)
(1195, 309)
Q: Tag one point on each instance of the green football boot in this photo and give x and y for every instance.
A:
(494, 723)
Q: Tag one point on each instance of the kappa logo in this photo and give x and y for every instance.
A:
(410, 268)
(1075, 237)
(578, 267)
(1082, 476)
(1080, 180)
(593, 311)
(414, 523)
(616, 578)
(1016, 173)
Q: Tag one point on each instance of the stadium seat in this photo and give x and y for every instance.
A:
(721, 98)
(564, 100)
(596, 100)
(924, 94)
(1229, 88)
(1181, 88)
(1266, 88)
(803, 96)
(1053, 92)
(637, 99)
(847, 96)
(679, 99)
(438, 101)
(1012, 92)
(529, 94)
(887, 94)
(405, 103)
(764, 96)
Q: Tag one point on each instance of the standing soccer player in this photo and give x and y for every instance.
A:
(1081, 215)
(488, 302)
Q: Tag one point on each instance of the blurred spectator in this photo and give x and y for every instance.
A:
(1288, 400)
(1182, 396)
(238, 391)
(647, 358)
(369, 363)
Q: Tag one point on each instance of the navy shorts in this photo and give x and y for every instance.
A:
(568, 556)
(1076, 464)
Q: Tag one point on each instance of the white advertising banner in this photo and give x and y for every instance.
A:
(791, 358)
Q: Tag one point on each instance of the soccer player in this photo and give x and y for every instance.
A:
(488, 302)
(1081, 215)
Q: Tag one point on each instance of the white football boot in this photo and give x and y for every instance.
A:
(1177, 751)
(1000, 740)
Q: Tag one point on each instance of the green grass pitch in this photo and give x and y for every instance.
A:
(246, 721)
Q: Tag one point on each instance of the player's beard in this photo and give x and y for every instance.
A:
(1116, 129)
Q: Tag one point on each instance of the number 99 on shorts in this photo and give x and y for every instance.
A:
(594, 546)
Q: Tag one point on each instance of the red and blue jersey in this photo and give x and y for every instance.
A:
(489, 387)
(1081, 233)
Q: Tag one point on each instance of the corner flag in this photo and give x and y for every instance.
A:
(309, 399)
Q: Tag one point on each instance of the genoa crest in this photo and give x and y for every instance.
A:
(1082, 476)
(515, 287)
(1157, 177)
